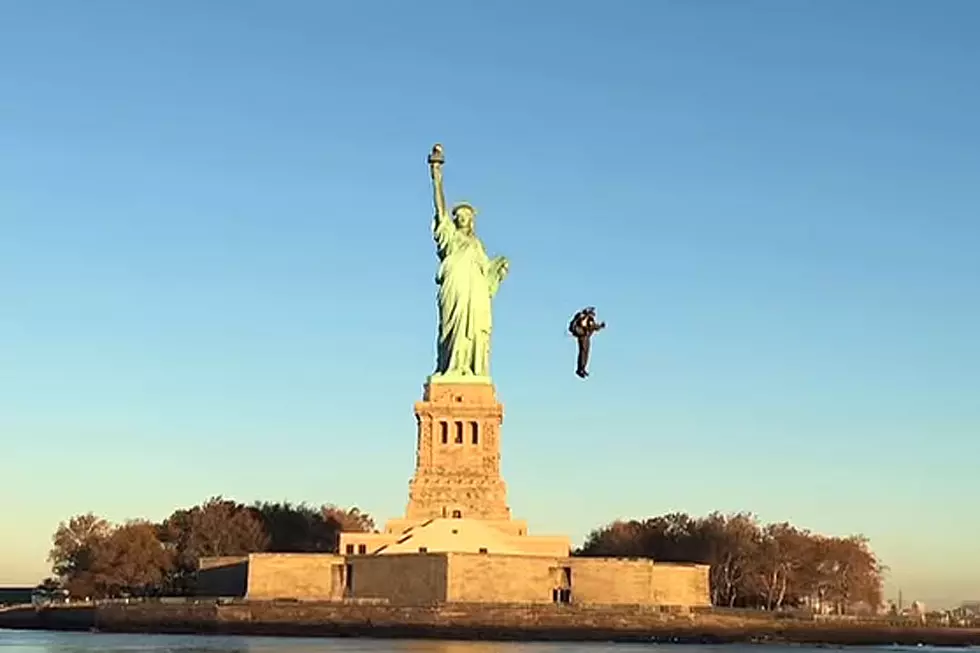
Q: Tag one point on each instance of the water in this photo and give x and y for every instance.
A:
(51, 642)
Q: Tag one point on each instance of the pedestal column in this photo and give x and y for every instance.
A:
(457, 465)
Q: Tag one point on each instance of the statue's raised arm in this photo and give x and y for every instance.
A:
(443, 226)
(436, 159)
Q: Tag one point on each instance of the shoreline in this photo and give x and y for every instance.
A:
(463, 625)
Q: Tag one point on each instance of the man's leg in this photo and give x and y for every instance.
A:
(583, 356)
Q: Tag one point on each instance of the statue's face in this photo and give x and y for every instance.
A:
(464, 219)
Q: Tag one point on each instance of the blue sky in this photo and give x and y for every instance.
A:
(216, 270)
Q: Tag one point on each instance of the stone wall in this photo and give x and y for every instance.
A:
(681, 584)
(422, 579)
(456, 620)
(399, 579)
(501, 579)
(305, 576)
(592, 581)
(28, 617)
(611, 581)
(483, 622)
(222, 576)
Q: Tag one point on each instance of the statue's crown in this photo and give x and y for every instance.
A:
(464, 205)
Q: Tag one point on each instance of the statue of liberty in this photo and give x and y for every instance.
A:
(468, 279)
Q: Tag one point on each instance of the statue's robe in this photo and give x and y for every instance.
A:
(467, 280)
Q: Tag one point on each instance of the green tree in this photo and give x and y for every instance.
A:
(619, 539)
(298, 528)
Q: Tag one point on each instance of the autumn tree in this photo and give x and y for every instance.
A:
(732, 546)
(218, 527)
(94, 558)
(753, 565)
(847, 575)
(351, 520)
(131, 560)
(784, 555)
(75, 546)
(338, 520)
(726, 542)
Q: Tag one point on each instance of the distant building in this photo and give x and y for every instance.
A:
(15, 595)
(824, 607)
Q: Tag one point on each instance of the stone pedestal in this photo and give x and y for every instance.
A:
(457, 463)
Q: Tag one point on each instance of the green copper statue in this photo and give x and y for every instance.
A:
(468, 279)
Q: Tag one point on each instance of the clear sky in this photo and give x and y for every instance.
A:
(216, 269)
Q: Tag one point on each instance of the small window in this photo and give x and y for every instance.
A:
(362, 548)
(423, 549)
(459, 433)
(444, 430)
(475, 432)
(350, 549)
(457, 514)
(483, 549)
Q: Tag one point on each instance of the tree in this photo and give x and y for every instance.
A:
(218, 527)
(338, 520)
(75, 546)
(93, 558)
(752, 565)
(731, 544)
(623, 539)
(351, 520)
(783, 556)
(296, 528)
(131, 560)
(848, 574)
(50, 584)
